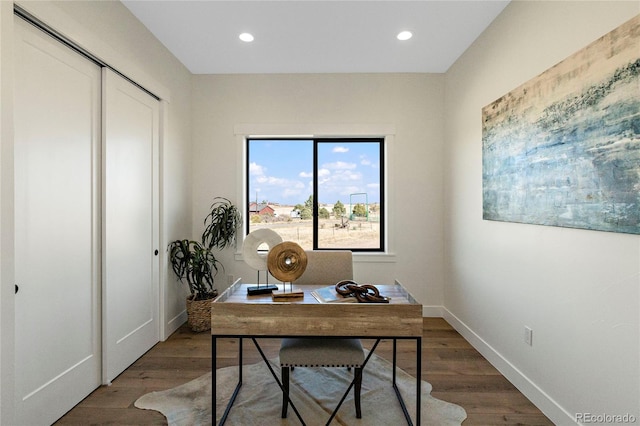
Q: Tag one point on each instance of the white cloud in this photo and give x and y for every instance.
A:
(291, 192)
(256, 169)
(340, 165)
(271, 181)
(354, 176)
(338, 179)
(365, 161)
(348, 190)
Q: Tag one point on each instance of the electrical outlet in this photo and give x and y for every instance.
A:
(528, 336)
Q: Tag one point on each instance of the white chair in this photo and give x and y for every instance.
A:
(323, 268)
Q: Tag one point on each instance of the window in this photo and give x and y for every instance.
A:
(319, 193)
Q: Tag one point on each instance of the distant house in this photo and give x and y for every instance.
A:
(261, 209)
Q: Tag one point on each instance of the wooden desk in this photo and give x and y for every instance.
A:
(236, 314)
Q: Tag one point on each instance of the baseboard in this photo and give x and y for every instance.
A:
(528, 388)
(433, 311)
(174, 323)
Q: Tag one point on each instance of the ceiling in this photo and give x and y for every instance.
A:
(304, 36)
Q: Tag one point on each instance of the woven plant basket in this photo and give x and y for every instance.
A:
(199, 314)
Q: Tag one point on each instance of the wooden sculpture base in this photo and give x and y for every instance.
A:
(286, 295)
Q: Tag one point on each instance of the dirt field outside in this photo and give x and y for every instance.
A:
(332, 233)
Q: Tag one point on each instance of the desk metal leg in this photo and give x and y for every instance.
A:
(395, 351)
(418, 379)
(273, 373)
(214, 382)
(214, 379)
(407, 416)
(344, 396)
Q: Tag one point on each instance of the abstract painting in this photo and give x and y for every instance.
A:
(563, 149)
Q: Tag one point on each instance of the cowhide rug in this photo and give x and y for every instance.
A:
(315, 392)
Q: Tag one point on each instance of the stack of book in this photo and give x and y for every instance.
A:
(330, 295)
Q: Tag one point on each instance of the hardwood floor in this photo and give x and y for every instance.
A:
(458, 373)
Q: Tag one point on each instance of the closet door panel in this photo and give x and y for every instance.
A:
(57, 136)
(130, 198)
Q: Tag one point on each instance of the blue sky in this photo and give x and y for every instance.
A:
(282, 171)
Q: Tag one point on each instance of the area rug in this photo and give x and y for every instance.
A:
(314, 391)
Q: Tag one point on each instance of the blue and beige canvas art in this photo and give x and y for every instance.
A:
(563, 149)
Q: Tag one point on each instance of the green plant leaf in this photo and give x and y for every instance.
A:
(195, 265)
(221, 224)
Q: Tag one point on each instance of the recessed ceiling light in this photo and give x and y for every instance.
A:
(404, 35)
(246, 37)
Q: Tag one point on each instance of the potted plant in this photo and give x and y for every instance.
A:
(221, 224)
(195, 264)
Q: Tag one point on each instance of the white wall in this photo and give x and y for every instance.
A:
(577, 289)
(108, 30)
(410, 104)
(6, 219)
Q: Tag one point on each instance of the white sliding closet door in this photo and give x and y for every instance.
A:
(57, 228)
(131, 223)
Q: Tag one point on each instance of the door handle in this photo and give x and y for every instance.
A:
(17, 288)
(156, 252)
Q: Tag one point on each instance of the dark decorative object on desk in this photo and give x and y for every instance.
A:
(365, 293)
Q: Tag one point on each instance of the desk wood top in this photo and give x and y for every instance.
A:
(235, 313)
